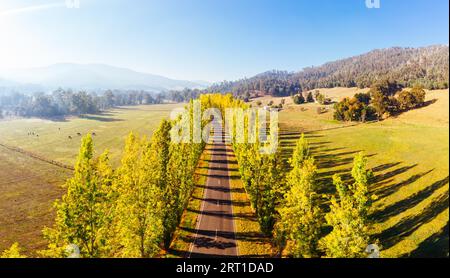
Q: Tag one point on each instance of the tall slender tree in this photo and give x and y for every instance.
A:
(348, 214)
(81, 214)
(300, 216)
(139, 205)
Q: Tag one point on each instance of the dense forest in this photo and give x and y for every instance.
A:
(427, 66)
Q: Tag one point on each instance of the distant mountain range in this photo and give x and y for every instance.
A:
(428, 66)
(89, 77)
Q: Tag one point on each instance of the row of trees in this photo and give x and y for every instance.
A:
(383, 100)
(131, 211)
(288, 206)
(66, 102)
(302, 217)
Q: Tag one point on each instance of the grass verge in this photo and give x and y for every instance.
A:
(251, 242)
(182, 237)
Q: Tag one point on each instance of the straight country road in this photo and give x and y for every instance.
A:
(215, 231)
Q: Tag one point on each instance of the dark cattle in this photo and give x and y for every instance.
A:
(79, 134)
(70, 137)
(93, 134)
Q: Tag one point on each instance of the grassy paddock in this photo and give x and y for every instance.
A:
(28, 188)
(409, 156)
(111, 129)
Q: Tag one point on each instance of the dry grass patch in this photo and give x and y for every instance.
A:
(251, 242)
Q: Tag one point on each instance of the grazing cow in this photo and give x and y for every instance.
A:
(93, 134)
(70, 137)
(79, 134)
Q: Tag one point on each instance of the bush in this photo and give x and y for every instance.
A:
(299, 99)
(352, 109)
(309, 97)
(320, 98)
(363, 97)
(408, 100)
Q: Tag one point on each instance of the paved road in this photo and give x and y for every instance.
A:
(215, 235)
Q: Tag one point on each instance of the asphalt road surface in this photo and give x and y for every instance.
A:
(215, 234)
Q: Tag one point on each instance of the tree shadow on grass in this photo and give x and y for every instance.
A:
(385, 176)
(100, 118)
(405, 204)
(436, 246)
(384, 191)
(408, 225)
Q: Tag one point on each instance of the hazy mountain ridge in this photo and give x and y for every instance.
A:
(88, 77)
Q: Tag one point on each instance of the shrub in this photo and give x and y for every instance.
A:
(299, 99)
(408, 100)
(309, 97)
(352, 109)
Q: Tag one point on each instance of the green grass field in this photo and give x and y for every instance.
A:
(28, 186)
(409, 155)
(110, 128)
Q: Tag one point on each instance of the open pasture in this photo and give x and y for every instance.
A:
(409, 156)
(60, 140)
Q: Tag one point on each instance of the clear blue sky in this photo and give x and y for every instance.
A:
(212, 39)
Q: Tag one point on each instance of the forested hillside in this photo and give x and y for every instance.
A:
(426, 66)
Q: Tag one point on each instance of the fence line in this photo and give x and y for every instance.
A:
(37, 156)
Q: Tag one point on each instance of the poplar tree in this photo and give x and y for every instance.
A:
(300, 216)
(140, 202)
(348, 214)
(82, 213)
(300, 153)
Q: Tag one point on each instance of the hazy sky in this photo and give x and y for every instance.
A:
(211, 40)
